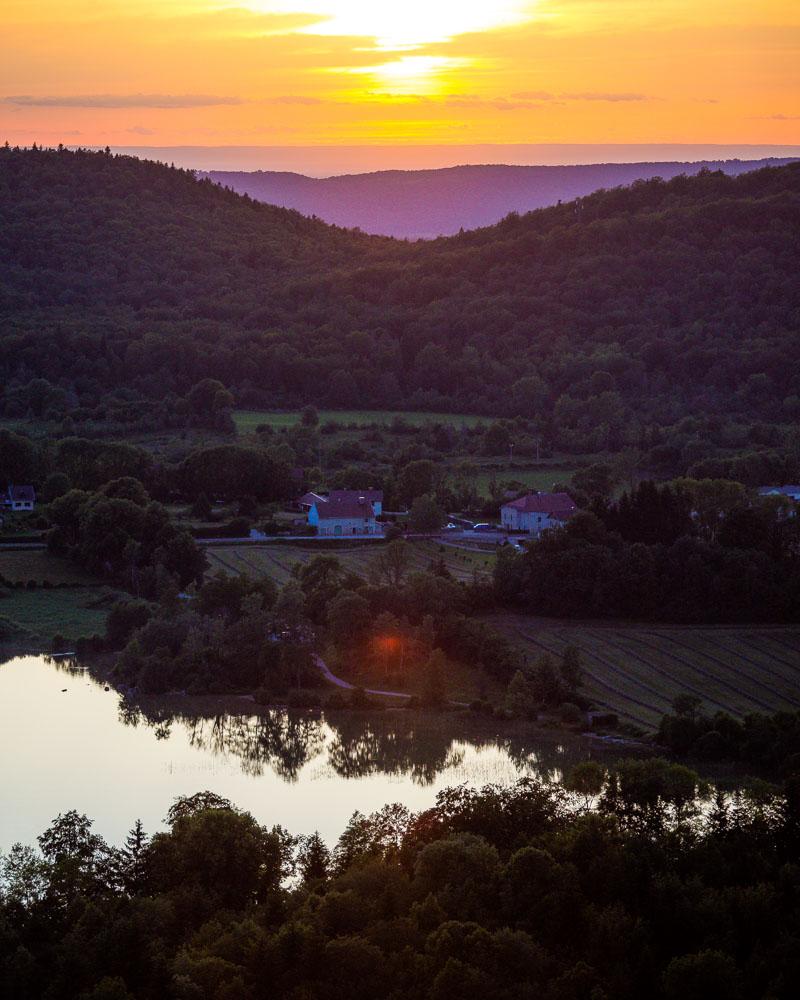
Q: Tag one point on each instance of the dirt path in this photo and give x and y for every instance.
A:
(341, 683)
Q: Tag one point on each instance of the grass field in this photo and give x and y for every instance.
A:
(637, 671)
(247, 420)
(534, 479)
(69, 611)
(22, 565)
(276, 561)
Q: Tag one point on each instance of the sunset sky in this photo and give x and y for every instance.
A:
(338, 72)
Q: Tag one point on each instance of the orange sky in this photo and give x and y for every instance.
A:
(337, 72)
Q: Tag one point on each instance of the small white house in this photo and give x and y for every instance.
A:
(20, 498)
(344, 518)
(536, 512)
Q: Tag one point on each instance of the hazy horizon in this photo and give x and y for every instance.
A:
(325, 160)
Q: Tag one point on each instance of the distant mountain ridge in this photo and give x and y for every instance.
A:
(415, 204)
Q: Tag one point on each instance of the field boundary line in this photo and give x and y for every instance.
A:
(762, 667)
(663, 672)
(705, 673)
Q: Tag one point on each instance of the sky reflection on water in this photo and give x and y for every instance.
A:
(66, 743)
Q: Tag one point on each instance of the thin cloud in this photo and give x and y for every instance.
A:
(120, 101)
(544, 95)
(776, 118)
(295, 99)
(141, 130)
(613, 98)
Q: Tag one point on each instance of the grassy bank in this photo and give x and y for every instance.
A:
(41, 614)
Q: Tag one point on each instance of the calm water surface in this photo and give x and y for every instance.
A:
(67, 743)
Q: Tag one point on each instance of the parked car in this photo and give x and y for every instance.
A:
(484, 526)
(452, 527)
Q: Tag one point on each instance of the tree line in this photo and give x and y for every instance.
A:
(620, 884)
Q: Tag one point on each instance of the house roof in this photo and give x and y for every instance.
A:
(347, 509)
(309, 499)
(22, 494)
(373, 496)
(559, 505)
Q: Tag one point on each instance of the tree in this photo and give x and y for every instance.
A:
(520, 698)
(19, 458)
(290, 609)
(313, 859)
(426, 515)
(392, 563)
(496, 440)
(570, 669)
(55, 486)
(207, 397)
(706, 975)
(201, 508)
(309, 417)
(189, 805)
(415, 479)
(586, 779)
(133, 858)
(349, 616)
(434, 684)
(123, 620)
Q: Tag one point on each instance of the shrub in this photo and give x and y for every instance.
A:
(303, 699)
(570, 714)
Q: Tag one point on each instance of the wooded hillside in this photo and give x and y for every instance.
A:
(630, 306)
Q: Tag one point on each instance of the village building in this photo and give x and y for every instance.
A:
(342, 513)
(19, 498)
(536, 512)
(791, 492)
(345, 517)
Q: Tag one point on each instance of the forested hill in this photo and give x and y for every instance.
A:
(430, 203)
(640, 304)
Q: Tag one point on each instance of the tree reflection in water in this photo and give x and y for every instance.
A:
(356, 744)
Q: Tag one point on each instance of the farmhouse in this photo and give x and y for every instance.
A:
(19, 498)
(312, 502)
(535, 512)
(340, 518)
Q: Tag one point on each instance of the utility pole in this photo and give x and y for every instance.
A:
(511, 453)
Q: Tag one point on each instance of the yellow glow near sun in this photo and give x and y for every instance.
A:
(406, 24)
(418, 75)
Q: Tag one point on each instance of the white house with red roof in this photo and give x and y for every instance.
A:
(344, 517)
(536, 512)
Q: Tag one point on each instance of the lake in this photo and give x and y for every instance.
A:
(69, 742)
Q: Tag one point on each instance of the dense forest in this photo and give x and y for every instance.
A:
(633, 307)
(630, 884)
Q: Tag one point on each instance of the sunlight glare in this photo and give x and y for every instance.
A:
(405, 25)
